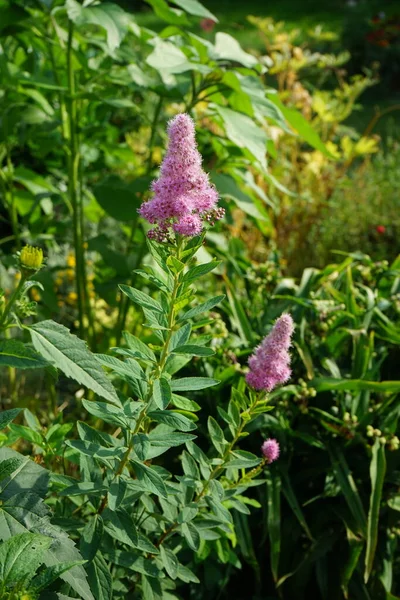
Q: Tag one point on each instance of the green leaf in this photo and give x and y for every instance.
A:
(169, 561)
(377, 474)
(293, 502)
(109, 16)
(187, 384)
(135, 344)
(203, 307)
(228, 48)
(51, 574)
(349, 489)
(71, 355)
(216, 435)
(274, 519)
(241, 459)
(7, 416)
(141, 445)
(162, 392)
(121, 199)
(91, 537)
(172, 419)
(394, 503)
(83, 488)
(144, 300)
(129, 368)
(199, 270)
(191, 535)
(119, 524)
(27, 476)
(135, 562)
(14, 353)
(25, 512)
(106, 412)
(27, 433)
(300, 124)
(150, 479)
(164, 12)
(228, 188)
(167, 440)
(100, 578)
(21, 555)
(244, 133)
(194, 350)
(193, 7)
(97, 451)
(323, 384)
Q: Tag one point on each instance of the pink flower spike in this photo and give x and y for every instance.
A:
(183, 195)
(270, 363)
(271, 450)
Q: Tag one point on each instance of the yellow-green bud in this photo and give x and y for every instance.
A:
(31, 258)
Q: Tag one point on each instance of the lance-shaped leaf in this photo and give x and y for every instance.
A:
(71, 355)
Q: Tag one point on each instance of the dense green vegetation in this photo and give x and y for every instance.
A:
(130, 435)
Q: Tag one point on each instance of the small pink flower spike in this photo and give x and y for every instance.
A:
(271, 450)
(270, 363)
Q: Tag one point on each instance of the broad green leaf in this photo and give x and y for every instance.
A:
(97, 451)
(26, 477)
(21, 555)
(193, 350)
(172, 419)
(241, 459)
(100, 578)
(377, 474)
(150, 479)
(162, 392)
(119, 524)
(203, 307)
(164, 12)
(228, 188)
(14, 353)
(51, 574)
(144, 300)
(107, 15)
(83, 488)
(394, 503)
(244, 133)
(91, 537)
(274, 519)
(71, 355)
(187, 384)
(193, 7)
(7, 416)
(27, 433)
(26, 512)
(121, 199)
(129, 368)
(166, 440)
(134, 562)
(199, 270)
(228, 48)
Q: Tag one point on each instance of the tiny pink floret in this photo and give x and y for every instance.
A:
(270, 363)
(271, 450)
(183, 195)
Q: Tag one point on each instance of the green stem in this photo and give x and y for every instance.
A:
(153, 132)
(13, 298)
(73, 177)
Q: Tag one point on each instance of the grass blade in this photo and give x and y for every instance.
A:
(377, 474)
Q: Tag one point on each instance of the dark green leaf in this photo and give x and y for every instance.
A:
(377, 474)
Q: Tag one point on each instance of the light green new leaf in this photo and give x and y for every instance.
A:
(228, 48)
(193, 7)
(377, 474)
(106, 15)
(243, 132)
(14, 353)
(164, 12)
(71, 355)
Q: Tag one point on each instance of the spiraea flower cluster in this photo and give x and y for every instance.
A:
(270, 450)
(184, 199)
(270, 363)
